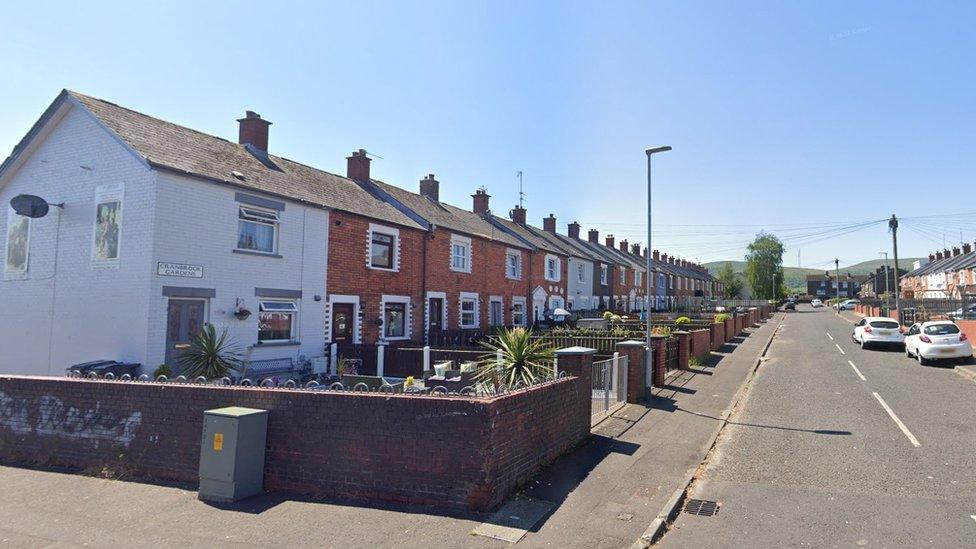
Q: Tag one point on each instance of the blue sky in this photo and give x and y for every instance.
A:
(799, 118)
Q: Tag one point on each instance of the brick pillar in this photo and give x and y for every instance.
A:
(684, 348)
(578, 362)
(718, 335)
(659, 358)
(636, 370)
(729, 329)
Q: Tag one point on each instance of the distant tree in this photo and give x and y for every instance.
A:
(764, 266)
(730, 281)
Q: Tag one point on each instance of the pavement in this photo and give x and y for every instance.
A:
(839, 446)
(603, 494)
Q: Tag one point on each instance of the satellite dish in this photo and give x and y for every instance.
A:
(29, 205)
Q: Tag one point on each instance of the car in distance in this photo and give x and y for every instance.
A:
(877, 330)
(937, 340)
(790, 306)
(846, 305)
(816, 303)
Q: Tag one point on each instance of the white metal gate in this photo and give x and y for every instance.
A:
(609, 386)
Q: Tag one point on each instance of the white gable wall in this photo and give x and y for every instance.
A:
(52, 320)
(580, 293)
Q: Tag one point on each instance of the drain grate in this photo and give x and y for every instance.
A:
(701, 507)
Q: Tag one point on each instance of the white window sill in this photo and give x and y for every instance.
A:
(387, 269)
(466, 271)
(276, 343)
(398, 338)
(255, 252)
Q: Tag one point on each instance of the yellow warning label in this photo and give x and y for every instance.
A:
(218, 442)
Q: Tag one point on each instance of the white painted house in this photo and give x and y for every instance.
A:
(162, 229)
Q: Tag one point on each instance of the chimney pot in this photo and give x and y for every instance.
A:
(430, 188)
(967, 248)
(664, 258)
(938, 256)
(955, 252)
(357, 166)
(518, 215)
(573, 230)
(481, 197)
(593, 236)
(549, 224)
(623, 245)
(609, 240)
(253, 130)
(656, 255)
(644, 252)
(931, 258)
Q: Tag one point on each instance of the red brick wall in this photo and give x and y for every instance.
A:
(348, 273)
(718, 335)
(538, 278)
(446, 451)
(701, 343)
(968, 327)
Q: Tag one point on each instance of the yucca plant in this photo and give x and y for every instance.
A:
(210, 355)
(523, 359)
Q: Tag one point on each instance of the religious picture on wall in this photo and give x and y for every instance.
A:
(108, 225)
(18, 245)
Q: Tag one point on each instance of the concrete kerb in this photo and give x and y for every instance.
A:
(968, 372)
(659, 525)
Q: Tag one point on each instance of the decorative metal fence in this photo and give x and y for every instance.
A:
(609, 386)
(671, 354)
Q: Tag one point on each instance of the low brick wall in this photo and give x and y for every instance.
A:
(701, 343)
(968, 327)
(718, 336)
(455, 452)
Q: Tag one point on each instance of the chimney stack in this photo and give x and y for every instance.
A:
(253, 130)
(656, 255)
(955, 252)
(481, 197)
(644, 253)
(684, 263)
(357, 166)
(549, 224)
(518, 215)
(931, 258)
(967, 248)
(938, 256)
(609, 240)
(635, 249)
(593, 236)
(430, 188)
(664, 258)
(623, 246)
(573, 231)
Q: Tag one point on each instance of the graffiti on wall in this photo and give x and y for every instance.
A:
(50, 416)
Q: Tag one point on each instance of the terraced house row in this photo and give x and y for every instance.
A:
(944, 275)
(156, 229)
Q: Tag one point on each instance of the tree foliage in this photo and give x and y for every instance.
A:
(730, 281)
(764, 267)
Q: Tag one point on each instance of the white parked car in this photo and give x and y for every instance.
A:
(941, 339)
(877, 330)
(816, 303)
(846, 305)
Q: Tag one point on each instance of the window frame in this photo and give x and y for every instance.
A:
(465, 243)
(604, 274)
(509, 255)
(501, 311)
(293, 313)
(272, 219)
(580, 272)
(623, 275)
(519, 302)
(468, 297)
(12, 219)
(394, 251)
(555, 261)
(399, 301)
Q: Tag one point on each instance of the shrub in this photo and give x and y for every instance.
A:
(661, 330)
(524, 360)
(210, 355)
(682, 320)
(721, 318)
(162, 370)
(607, 315)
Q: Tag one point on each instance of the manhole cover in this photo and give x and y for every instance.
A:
(701, 507)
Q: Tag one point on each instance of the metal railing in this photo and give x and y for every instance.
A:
(670, 354)
(609, 379)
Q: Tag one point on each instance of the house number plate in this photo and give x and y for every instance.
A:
(179, 269)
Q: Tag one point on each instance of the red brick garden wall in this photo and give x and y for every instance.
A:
(451, 452)
(701, 343)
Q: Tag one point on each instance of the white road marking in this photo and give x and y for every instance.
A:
(856, 371)
(839, 349)
(830, 336)
(972, 517)
(911, 437)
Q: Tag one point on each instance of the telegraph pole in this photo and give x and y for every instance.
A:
(893, 226)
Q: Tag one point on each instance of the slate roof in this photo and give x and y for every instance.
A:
(537, 237)
(450, 217)
(183, 150)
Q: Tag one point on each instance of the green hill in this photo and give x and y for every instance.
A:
(796, 277)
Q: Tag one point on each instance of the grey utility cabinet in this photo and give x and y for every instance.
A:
(232, 453)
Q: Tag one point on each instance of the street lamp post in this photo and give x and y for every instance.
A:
(648, 359)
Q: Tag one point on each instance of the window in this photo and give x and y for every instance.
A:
(670, 282)
(394, 320)
(469, 310)
(276, 321)
(552, 268)
(383, 247)
(460, 254)
(604, 275)
(580, 272)
(495, 316)
(623, 275)
(513, 265)
(257, 230)
(518, 311)
(18, 245)
(660, 281)
(638, 276)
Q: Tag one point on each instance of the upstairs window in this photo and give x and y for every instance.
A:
(580, 272)
(623, 275)
(461, 254)
(604, 275)
(513, 265)
(552, 268)
(18, 245)
(257, 230)
(382, 249)
(638, 278)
